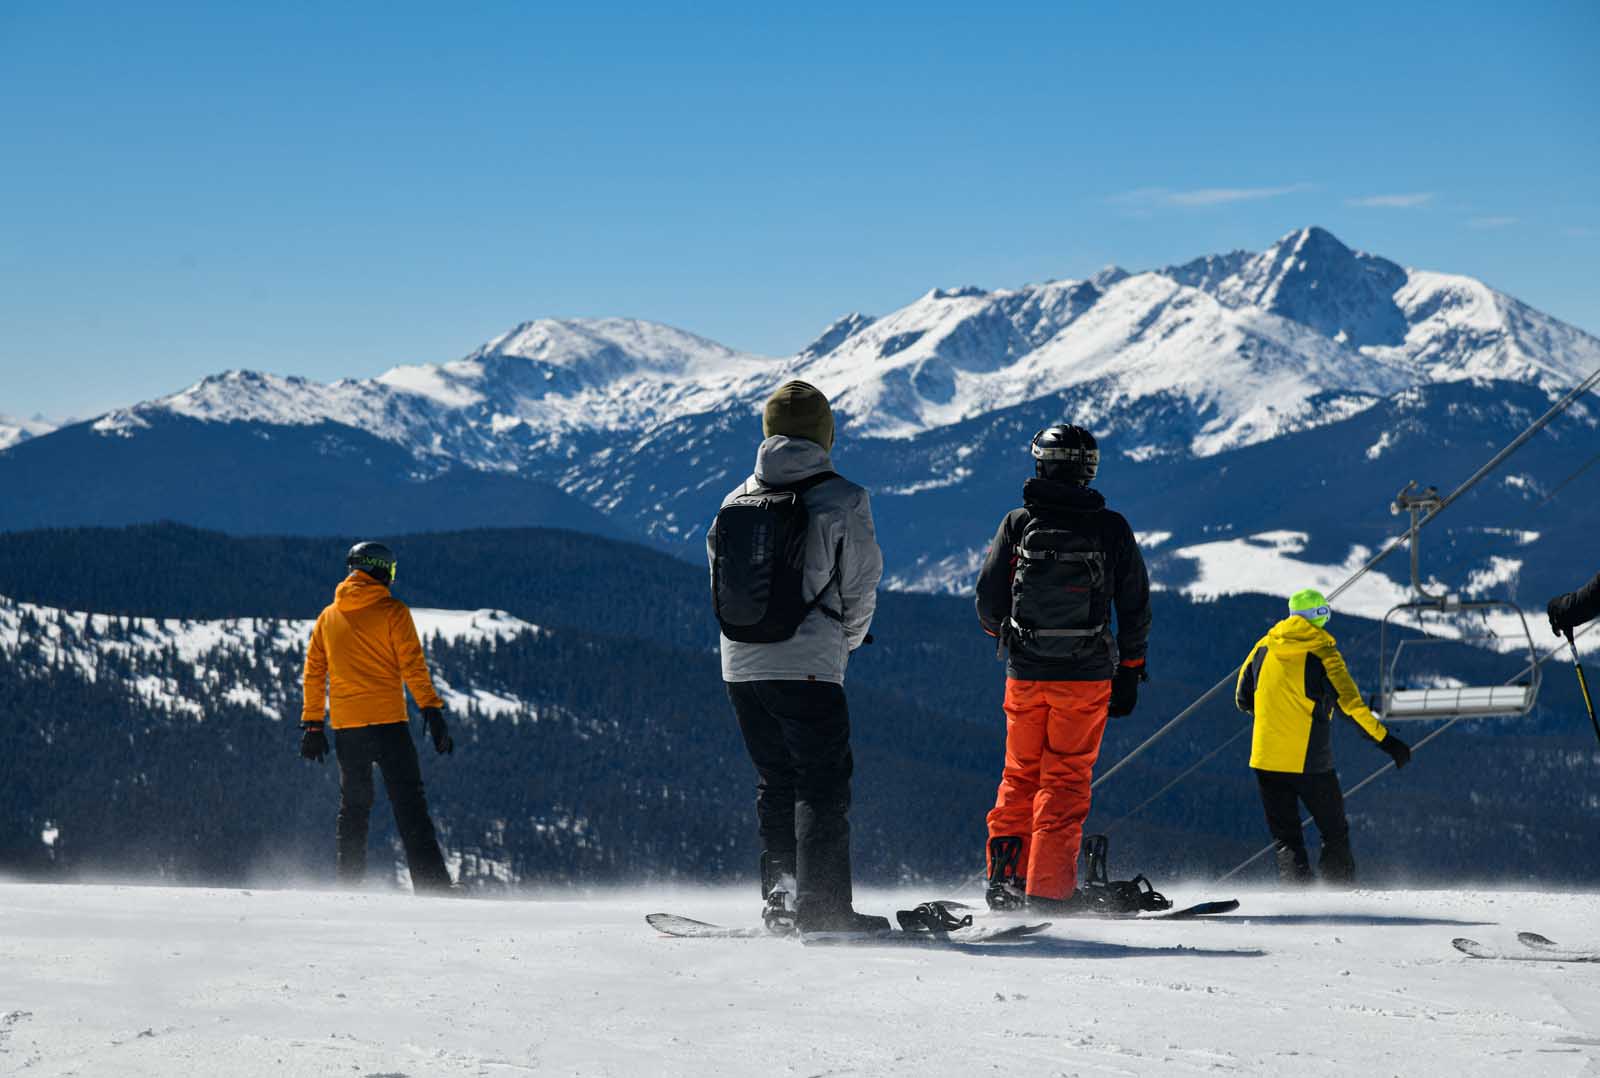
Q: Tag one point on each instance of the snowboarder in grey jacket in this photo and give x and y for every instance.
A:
(788, 694)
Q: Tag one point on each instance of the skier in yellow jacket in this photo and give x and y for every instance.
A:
(1293, 683)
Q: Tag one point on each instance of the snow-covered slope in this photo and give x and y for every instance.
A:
(13, 431)
(154, 981)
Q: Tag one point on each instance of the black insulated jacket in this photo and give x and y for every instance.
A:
(1083, 511)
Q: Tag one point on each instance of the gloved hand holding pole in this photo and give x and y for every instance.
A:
(1583, 683)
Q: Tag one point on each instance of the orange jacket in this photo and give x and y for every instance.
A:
(363, 649)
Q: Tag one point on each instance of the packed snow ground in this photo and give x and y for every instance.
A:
(160, 981)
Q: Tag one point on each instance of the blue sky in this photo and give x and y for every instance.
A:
(189, 189)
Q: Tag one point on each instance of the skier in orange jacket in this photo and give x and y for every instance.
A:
(1055, 571)
(363, 653)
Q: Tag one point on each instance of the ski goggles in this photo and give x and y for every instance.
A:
(1314, 613)
(390, 567)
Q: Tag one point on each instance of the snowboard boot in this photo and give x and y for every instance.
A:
(1294, 866)
(1077, 904)
(778, 888)
(1007, 890)
(1336, 866)
(845, 920)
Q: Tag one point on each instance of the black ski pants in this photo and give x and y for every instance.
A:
(798, 735)
(389, 746)
(1282, 794)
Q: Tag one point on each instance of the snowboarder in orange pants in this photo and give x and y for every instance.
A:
(1056, 570)
(1053, 731)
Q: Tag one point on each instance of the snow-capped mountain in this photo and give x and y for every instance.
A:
(649, 425)
(13, 431)
(1242, 346)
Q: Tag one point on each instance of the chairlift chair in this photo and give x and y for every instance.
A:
(1482, 702)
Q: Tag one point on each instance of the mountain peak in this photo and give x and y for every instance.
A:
(1310, 277)
(15, 431)
(836, 334)
(1108, 275)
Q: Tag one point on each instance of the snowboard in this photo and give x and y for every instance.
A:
(671, 924)
(1539, 949)
(965, 937)
(1189, 913)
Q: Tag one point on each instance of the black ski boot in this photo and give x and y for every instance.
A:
(778, 892)
(1007, 891)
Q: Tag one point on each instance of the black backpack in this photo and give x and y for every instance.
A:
(758, 563)
(1060, 597)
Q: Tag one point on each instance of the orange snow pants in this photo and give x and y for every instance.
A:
(1053, 731)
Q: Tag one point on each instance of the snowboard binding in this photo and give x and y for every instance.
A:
(1007, 890)
(779, 911)
(934, 917)
(1103, 895)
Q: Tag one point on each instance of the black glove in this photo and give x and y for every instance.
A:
(1125, 690)
(1398, 750)
(1560, 612)
(433, 719)
(313, 742)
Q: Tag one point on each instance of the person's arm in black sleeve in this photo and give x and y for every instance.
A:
(1132, 598)
(1244, 690)
(994, 581)
(1575, 607)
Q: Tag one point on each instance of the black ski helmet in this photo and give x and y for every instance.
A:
(1067, 453)
(374, 559)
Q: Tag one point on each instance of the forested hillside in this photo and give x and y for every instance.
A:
(599, 746)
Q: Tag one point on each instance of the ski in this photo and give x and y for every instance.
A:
(1473, 949)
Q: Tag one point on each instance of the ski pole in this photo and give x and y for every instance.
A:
(1583, 684)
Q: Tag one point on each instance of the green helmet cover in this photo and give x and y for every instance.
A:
(1311, 604)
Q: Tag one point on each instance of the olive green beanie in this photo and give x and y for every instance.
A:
(799, 410)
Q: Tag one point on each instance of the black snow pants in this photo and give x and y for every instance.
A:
(1281, 796)
(389, 746)
(798, 735)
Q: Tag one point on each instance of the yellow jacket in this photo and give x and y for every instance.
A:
(363, 650)
(1292, 683)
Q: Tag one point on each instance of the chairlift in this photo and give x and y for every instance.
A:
(1479, 702)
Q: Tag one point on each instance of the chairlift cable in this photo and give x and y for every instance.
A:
(1548, 498)
(1197, 765)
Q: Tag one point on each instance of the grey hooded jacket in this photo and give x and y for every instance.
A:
(840, 528)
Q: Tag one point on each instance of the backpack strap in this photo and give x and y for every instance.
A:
(1025, 633)
(799, 487)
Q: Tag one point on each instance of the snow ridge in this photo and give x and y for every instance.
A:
(16, 431)
(1248, 346)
